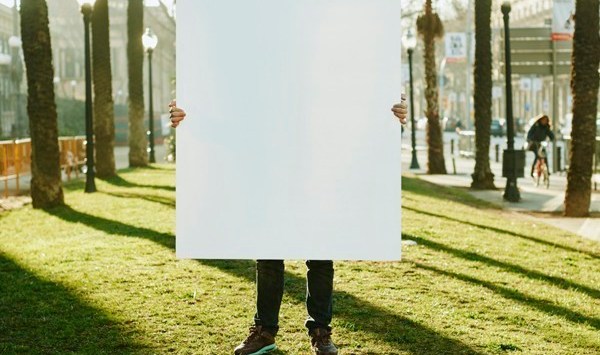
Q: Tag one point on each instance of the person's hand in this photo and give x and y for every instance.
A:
(401, 110)
(176, 114)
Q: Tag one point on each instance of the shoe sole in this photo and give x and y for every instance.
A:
(266, 349)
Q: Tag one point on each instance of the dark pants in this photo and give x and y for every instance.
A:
(269, 289)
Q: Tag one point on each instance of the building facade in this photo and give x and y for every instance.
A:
(66, 27)
(66, 30)
(12, 122)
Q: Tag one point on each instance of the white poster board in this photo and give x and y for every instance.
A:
(289, 149)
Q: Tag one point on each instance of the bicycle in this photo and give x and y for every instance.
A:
(541, 173)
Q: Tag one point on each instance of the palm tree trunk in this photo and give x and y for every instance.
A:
(482, 175)
(430, 27)
(46, 185)
(138, 143)
(584, 86)
(104, 117)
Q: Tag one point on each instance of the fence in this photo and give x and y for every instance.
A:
(15, 160)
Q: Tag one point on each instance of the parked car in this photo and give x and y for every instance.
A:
(498, 127)
(449, 124)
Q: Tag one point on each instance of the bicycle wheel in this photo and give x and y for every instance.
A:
(546, 176)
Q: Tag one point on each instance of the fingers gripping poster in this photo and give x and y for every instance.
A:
(289, 149)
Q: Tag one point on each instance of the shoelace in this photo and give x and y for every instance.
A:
(254, 333)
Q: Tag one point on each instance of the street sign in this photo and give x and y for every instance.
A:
(542, 51)
(456, 46)
(534, 53)
(563, 20)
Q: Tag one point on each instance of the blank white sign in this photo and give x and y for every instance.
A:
(289, 149)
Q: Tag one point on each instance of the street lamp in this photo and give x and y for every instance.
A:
(14, 43)
(90, 185)
(512, 164)
(149, 40)
(410, 42)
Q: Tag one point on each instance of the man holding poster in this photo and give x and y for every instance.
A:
(269, 285)
(291, 153)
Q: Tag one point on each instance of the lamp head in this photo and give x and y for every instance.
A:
(86, 6)
(410, 40)
(149, 40)
(505, 7)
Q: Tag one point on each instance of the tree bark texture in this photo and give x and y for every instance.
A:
(430, 27)
(584, 87)
(482, 176)
(138, 141)
(46, 184)
(104, 116)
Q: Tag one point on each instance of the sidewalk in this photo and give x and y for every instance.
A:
(544, 205)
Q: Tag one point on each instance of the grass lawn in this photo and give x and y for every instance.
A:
(100, 276)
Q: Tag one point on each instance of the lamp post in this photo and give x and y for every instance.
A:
(14, 43)
(149, 40)
(511, 191)
(410, 41)
(90, 184)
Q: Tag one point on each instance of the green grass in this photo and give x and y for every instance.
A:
(100, 277)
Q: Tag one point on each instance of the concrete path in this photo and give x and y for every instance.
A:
(540, 203)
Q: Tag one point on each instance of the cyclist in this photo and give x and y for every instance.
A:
(538, 133)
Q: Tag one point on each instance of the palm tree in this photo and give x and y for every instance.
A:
(104, 116)
(430, 28)
(138, 142)
(584, 86)
(46, 185)
(482, 176)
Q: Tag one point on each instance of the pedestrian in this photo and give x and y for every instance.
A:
(269, 286)
(537, 134)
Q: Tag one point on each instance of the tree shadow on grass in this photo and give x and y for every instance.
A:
(42, 317)
(396, 330)
(160, 167)
(169, 202)
(121, 182)
(109, 226)
(455, 194)
(542, 305)
(504, 231)
(532, 274)
(400, 332)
